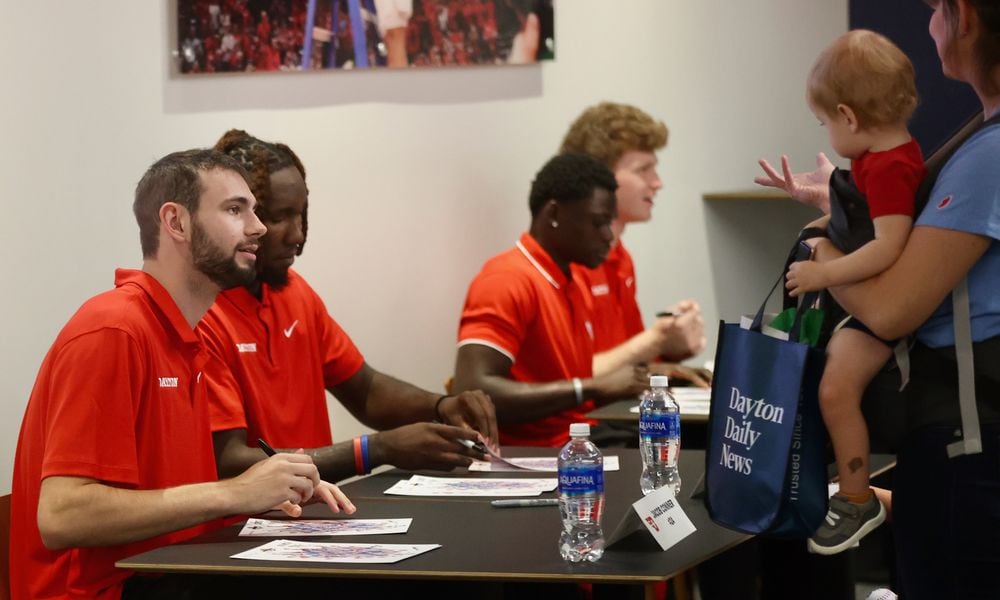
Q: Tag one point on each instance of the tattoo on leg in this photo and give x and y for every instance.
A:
(855, 464)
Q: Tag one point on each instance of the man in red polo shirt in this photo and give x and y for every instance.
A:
(278, 351)
(115, 443)
(625, 139)
(526, 335)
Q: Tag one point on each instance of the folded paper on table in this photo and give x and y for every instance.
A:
(422, 485)
(323, 527)
(334, 552)
(546, 464)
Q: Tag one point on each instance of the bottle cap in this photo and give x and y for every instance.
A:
(659, 381)
(579, 430)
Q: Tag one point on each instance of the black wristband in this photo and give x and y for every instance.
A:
(437, 408)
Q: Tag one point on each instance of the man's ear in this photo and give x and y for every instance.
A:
(175, 221)
(847, 113)
(550, 214)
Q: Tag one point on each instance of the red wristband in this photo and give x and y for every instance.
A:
(359, 461)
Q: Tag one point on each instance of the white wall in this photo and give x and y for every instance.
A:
(416, 177)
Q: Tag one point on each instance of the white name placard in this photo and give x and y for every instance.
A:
(663, 516)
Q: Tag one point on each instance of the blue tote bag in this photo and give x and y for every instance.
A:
(765, 469)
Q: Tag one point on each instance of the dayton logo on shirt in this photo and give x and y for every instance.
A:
(945, 202)
(168, 382)
(246, 347)
(600, 289)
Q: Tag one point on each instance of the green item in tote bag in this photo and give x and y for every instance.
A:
(812, 324)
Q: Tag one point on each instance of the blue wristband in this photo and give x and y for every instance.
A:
(364, 454)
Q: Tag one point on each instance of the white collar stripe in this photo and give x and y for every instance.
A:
(535, 264)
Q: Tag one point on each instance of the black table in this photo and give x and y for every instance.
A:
(479, 542)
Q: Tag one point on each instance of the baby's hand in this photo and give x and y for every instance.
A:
(805, 276)
(811, 188)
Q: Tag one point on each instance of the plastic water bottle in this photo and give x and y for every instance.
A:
(659, 437)
(581, 497)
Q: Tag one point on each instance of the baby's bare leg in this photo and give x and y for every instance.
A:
(853, 359)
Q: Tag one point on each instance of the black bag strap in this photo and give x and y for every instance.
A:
(795, 254)
(936, 161)
(808, 300)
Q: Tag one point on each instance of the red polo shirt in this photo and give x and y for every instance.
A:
(119, 398)
(272, 361)
(612, 290)
(523, 306)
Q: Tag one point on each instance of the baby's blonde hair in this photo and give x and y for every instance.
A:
(868, 73)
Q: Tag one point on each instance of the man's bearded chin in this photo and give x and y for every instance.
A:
(218, 265)
(275, 277)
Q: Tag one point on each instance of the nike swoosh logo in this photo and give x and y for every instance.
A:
(291, 328)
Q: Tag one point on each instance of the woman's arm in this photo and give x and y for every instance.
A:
(898, 300)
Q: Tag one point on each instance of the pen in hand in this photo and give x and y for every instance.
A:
(478, 447)
(268, 450)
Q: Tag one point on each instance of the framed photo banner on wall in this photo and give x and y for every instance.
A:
(216, 36)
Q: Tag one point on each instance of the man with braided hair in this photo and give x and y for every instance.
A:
(277, 351)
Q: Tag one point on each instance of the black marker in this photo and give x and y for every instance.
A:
(665, 313)
(524, 503)
(268, 450)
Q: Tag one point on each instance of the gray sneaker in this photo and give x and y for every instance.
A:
(845, 524)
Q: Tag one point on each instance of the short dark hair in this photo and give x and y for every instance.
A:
(174, 178)
(262, 159)
(569, 178)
